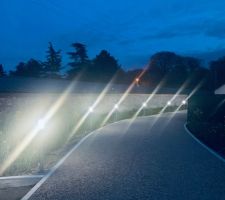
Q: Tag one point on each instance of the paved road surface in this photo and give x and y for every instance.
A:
(144, 162)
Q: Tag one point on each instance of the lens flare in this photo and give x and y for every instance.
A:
(144, 105)
(41, 124)
(116, 106)
(158, 87)
(123, 97)
(168, 103)
(91, 109)
(184, 102)
(33, 133)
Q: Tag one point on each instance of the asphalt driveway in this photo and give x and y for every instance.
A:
(154, 158)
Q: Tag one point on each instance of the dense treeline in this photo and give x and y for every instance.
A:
(164, 67)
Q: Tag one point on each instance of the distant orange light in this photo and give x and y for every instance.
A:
(137, 79)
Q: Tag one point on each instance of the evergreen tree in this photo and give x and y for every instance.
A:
(79, 58)
(52, 66)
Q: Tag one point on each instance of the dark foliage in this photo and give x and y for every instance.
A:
(176, 70)
(104, 68)
(167, 67)
(52, 65)
(206, 119)
(206, 108)
(218, 72)
(79, 58)
(32, 68)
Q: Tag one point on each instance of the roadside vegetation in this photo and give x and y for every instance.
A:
(54, 140)
(206, 120)
(172, 68)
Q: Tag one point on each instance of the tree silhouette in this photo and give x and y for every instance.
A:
(80, 61)
(191, 64)
(104, 67)
(162, 64)
(52, 66)
(32, 68)
(2, 71)
(20, 70)
(175, 69)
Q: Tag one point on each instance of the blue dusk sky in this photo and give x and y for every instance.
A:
(131, 30)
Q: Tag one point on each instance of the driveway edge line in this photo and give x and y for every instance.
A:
(35, 188)
(38, 185)
(203, 145)
(21, 177)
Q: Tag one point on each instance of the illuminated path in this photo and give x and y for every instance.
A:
(144, 163)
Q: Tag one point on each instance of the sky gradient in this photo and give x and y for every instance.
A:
(130, 30)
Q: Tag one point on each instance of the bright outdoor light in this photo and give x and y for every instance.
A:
(91, 109)
(144, 104)
(169, 103)
(116, 106)
(184, 102)
(41, 124)
(137, 79)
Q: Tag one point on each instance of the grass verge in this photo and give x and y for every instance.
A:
(49, 146)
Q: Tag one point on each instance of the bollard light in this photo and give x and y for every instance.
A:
(169, 103)
(184, 102)
(116, 106)
(91, 109)
(144, 104)
(41, 124)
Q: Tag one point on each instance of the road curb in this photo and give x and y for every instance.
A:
(214, 153)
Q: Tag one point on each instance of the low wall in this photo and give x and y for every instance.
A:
(82, 102)
(21, 114)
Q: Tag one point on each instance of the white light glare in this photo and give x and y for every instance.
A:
(41, 124)
(144, 104)
(169, 103)
(91, 109)
(116, 106)
(184, 102)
